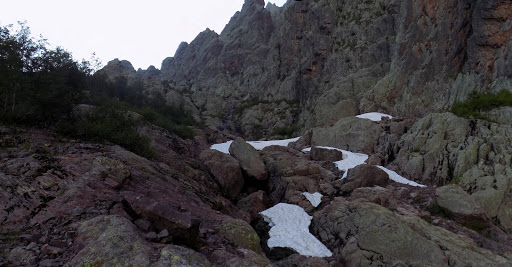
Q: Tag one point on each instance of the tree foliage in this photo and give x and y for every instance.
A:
(40, 86)
(37, 84)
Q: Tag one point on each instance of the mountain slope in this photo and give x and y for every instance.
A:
(311, 63)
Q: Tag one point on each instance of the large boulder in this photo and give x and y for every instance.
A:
(254, 203)
(366, 234)
(324, 154)
(172, 255)
(364, 176)
(303, 142)
(301, 261)
(351, 133)
(461, 206)
(291, 174)
(179, 223)
(225, 170)
(240, 234)
(240, 257)
(434, 150)
(110, 240)
(249, 159)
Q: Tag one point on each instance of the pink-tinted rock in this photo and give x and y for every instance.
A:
(225, 170)
(324, 154)
(254, 203)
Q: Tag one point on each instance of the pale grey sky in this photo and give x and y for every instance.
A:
(143, 32)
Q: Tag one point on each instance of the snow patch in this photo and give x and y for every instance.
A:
(290, 229)
(258, 145)
(223, 147)
(398, 178)
(374, 116)
(315, 198)
(349, 161)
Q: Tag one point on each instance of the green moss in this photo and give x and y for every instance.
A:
(241, 234)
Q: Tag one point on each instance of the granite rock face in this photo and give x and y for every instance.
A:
(476, 154)
(113, 240)
(72, 203)
(351, 133)
(312, 63)
(373, 235)
(461, 206)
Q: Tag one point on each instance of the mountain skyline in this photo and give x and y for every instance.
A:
(142, 34)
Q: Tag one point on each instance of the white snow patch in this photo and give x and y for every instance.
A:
(223, 147)
(290, 229)
(398, 178)
(258, 145)
(374, 116)
(349, 161)
(315, 198)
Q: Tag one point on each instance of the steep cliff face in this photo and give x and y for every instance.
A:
(311, 63)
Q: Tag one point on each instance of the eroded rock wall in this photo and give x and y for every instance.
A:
(311, 63)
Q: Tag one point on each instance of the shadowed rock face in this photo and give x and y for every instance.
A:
(311, 63)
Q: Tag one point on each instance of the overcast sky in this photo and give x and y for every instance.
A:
(143, 32)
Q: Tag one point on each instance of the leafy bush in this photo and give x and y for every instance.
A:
(477, 103)
(169, 120)
(286, 131)
(109, 125)
(40, 86)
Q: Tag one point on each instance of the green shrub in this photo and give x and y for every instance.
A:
(286, 131)
(477, 103)
(109, 125)
(173, 122)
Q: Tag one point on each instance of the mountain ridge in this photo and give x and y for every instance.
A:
(325, 60)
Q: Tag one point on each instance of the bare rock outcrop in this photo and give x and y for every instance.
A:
(225, 170)
(291, 174)
(324, 154)
(475, 154)
(456, 203)
(249, 159)
(113, 240)
(353, 134)
(364, 176)
(364, 233)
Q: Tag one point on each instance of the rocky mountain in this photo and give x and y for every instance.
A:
(423, 187)
(311, 63)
